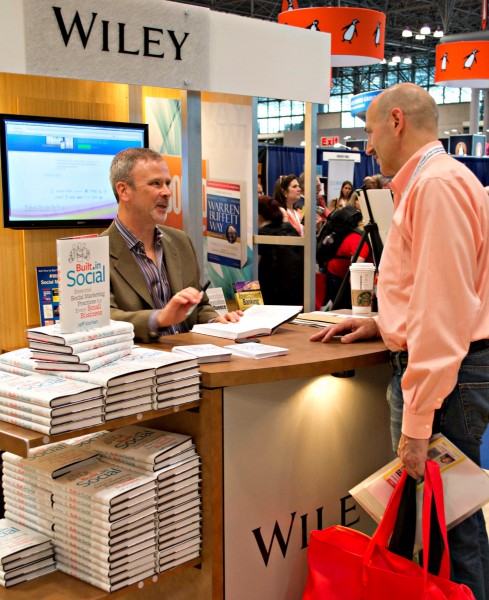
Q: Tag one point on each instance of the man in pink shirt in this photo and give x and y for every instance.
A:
(433, 296)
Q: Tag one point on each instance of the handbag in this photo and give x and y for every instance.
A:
(344, 564)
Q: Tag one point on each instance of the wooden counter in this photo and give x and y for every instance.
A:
(305, 358)
(205, 421)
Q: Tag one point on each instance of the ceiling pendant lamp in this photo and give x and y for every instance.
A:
(357, 34)
(462, 60)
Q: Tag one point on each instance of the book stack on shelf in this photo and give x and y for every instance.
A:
(177, 377)
(28, 482)
(104, 525)
(84, 350)
(50, 404)
(173, 459)
(24, 554)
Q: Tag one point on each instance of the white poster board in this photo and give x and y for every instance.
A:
(377, 207)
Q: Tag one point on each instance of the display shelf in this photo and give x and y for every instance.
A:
(19, 440)
(59, 586)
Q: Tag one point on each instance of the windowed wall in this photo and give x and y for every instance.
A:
(276, 116)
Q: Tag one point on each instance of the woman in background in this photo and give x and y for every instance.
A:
(344, 196)
(287, 192)
(280, 268)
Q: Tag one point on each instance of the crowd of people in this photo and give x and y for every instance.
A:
(288, 220)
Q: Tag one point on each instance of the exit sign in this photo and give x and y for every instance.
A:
(329, 141)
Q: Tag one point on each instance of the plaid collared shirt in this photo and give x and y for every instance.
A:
(155, 277)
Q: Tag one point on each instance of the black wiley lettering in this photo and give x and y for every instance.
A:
(152, 37)
(281, 541)
(277, 533)
(346, 509)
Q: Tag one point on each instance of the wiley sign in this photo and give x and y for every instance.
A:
(148, 42)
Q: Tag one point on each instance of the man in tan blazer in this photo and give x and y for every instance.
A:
(154, 275)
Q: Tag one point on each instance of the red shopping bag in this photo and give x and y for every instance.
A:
(348, 565)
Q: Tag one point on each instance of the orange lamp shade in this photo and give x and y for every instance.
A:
(463, 64)
(357, 34)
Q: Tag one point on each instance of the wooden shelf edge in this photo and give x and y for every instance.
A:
(58, 585)
(19, 440)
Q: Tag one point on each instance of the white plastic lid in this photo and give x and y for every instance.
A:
(362, 266)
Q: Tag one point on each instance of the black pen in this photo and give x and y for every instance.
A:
(202, 292)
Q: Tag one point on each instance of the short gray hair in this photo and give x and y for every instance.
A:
(123, 164)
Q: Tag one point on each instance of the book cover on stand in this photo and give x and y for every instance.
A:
(84, 288)
(247, 293)
(465, 485)
(226, 223)
(48, 294)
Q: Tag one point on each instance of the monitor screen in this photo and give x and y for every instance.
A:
(55, 172)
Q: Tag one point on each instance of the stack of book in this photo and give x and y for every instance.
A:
(177, 377)
(18, 362)
(28, 482)
(104, 525)
(24, 554)
(50, 404)
(84, 350)
(172, 457)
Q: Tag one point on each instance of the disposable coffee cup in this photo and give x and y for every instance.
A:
(362, 287)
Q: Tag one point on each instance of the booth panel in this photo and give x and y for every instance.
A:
(292, 450)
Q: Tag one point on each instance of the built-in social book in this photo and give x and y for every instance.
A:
(84, 286)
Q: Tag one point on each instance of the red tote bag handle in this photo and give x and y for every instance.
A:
(433, 493)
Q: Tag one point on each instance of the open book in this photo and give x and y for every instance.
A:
(321, 318)
(257, 320)
(465, 485)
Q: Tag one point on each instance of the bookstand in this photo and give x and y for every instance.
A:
(370, 233)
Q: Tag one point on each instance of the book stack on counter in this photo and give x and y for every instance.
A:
(84, 350)
(173, 459)
(28, 482)
(24, 554)
(104, 525)
(48, 403)
(177, 377)
(18, 362)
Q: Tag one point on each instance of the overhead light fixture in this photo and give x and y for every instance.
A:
(454, 130)
(383, 62)
(419, 36)
(438, 33)
(446, 132)
(407, 60)
(425, 30)
(347, 137)
(407, 33)
(362, 48)
(396, 59)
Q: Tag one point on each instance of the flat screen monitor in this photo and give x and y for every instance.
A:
(55, 172)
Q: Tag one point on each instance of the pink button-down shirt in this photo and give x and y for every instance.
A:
(433, 288)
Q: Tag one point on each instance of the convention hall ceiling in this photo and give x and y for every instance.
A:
(451, 16)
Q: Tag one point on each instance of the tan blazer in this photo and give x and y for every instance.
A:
(130, 299)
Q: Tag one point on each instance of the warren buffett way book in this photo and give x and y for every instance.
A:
(465, 485)
(258, 320)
